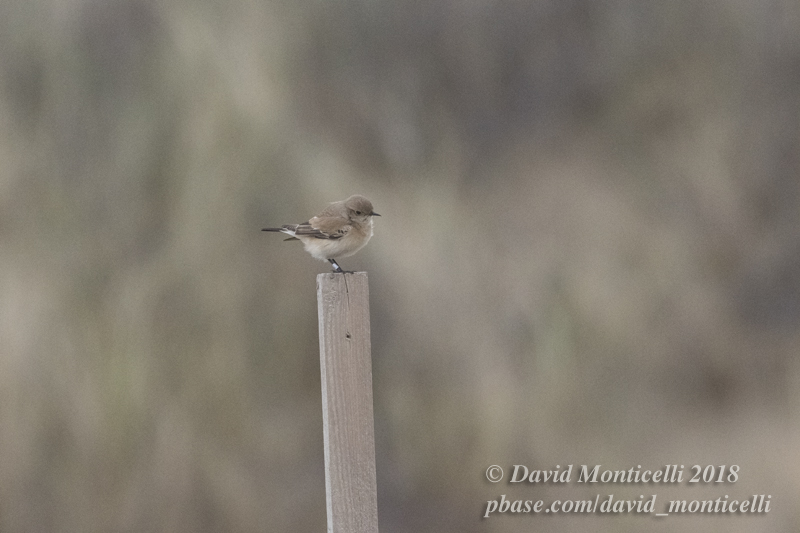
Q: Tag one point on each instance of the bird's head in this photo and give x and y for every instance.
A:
(359, 208)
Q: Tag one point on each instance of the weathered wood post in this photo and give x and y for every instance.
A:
(348, 424)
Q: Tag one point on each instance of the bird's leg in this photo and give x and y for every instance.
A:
(336, 267)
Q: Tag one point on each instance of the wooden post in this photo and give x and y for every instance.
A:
(348, 425)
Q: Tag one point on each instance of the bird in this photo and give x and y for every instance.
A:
(340, 230)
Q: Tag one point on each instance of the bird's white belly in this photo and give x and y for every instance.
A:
(324, 249)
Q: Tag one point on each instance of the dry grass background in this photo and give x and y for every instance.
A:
(589, 254)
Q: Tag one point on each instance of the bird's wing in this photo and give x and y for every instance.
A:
(324, 228)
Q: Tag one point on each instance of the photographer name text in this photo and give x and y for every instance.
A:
(609, 504)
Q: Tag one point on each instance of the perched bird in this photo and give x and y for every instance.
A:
(341, 230)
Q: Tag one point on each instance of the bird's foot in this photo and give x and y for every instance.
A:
(337, 269)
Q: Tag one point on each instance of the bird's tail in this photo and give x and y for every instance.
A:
(285, 230)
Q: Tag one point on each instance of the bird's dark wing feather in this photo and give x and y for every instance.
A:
(324, 228)
(310, 231)
(320, 228)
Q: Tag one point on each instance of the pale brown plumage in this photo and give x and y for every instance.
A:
(340, 230)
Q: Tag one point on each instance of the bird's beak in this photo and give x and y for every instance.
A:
(374, 214)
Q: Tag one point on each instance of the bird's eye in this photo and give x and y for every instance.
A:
(358, 212)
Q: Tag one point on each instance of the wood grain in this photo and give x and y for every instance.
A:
(348, 425)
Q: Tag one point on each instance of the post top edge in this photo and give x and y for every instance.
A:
(331, 275)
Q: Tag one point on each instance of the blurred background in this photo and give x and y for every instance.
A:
(589, 254)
